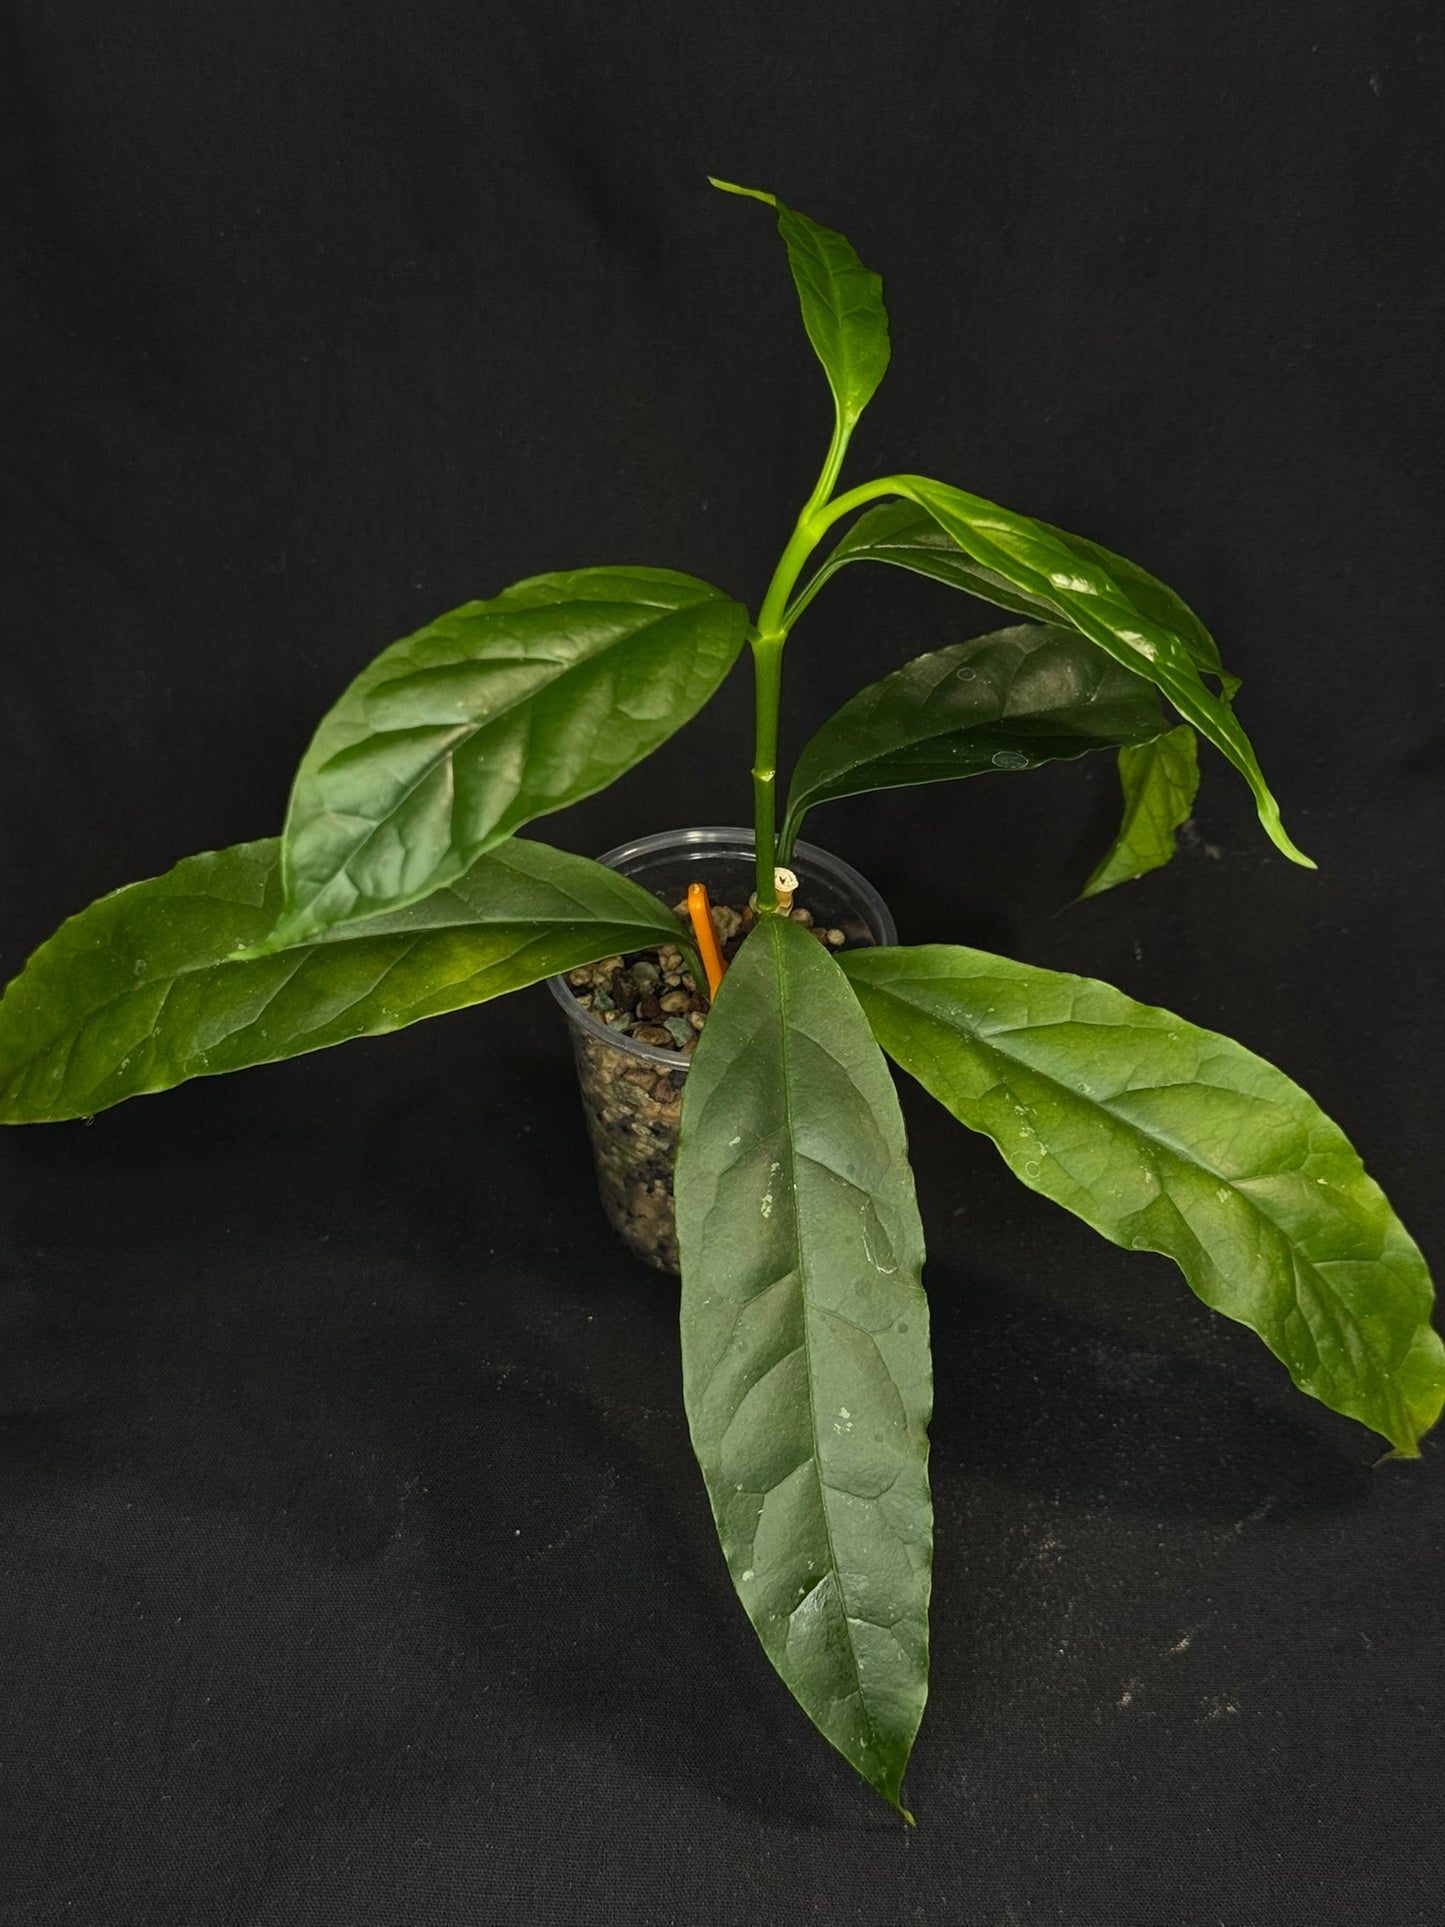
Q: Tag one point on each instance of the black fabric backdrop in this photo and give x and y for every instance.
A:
(355, 1568)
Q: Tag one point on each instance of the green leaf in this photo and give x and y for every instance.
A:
(1006, 701)
(1083, 594)
(494, 714)
(1168, 1138)
(140, 991)
(909, 538)
(842, 303)
(805, 1342)
(1159, 780)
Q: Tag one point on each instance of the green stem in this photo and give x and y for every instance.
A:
(768, 678)
(771, 633)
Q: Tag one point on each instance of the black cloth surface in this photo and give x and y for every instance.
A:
(356, 1569)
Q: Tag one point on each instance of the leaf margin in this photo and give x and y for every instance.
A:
(347, 730)
(701, 1360)
(1418, 1410)
(1160, 780)
(808, 243)
(1020, 724)
(102, 934)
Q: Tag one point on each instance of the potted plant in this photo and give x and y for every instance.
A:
(400, 889)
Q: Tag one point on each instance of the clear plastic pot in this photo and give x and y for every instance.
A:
(631, 1091)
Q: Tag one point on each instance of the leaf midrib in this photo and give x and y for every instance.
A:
(784, 1060)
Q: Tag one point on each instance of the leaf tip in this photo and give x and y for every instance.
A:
(1295, 854)
(1282, 840)
(749, 193)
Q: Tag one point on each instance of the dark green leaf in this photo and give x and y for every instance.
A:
(908, 537)
(495, 714)
(805, 1342)
(1007, 701)
(140, 991)
(1168, 1138)
(1083, 594)
(842, 303)
(1159, 779)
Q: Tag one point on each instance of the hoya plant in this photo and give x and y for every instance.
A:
(400, 889)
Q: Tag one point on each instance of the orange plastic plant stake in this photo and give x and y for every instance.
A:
(700, 910)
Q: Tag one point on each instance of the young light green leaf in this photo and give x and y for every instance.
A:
(1083, 594)
(1159, 779)
(141, 991)
(805, 1342)
(1168, 1138)
(488, 717)
(842, 303)
(1007, 701)
(908, 537)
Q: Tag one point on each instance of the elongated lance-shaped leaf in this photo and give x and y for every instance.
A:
(805, 1342)
(842, 303)
(488, 717)
(1159, 779)
(1087, 597)
(1007, 701)
(1168, 1138)
(141, 991)
(908, 537)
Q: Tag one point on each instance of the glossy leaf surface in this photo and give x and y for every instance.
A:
(905, 535)
(490, 716)
(841, 300)
(805, 1342)
(1165, 1137)
(1159, 780)
(1084, 594)
(140, 992)
(1007, 701)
